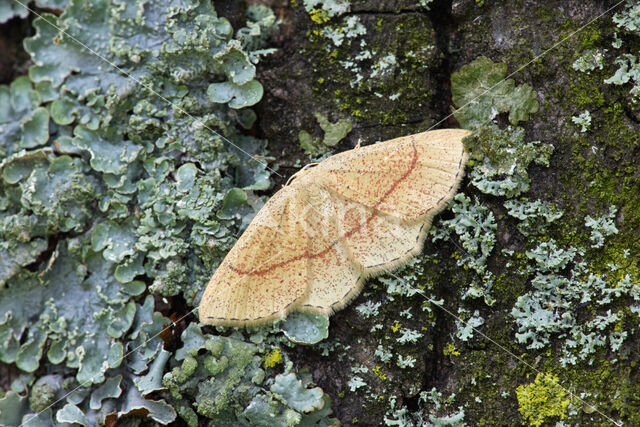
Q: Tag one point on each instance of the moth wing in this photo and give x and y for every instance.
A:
(355, 213)
(409, 178)
(334, 278)
(265, 273)
(376, 241)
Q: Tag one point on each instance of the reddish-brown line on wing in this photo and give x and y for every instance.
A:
(351, 232)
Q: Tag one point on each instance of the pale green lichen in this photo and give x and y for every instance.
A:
(562, 284)
(628, 66)
(431, 412)
(9, 9)
(466, 325)
(475, 227)
(369, 308)
(601, 227)
(591, 59)
(355, 383)
(106, 181)
(583, 120)
(409, 336)
(305, 328)
(22, 119)
(534, 217)
(503, 158)
(227, 385)
(480, 87)
(333, 133)
(406, 362)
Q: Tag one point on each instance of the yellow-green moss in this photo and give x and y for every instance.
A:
(319, 16)
(450, 350)
(543, 399)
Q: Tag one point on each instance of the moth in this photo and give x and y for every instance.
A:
(352, 216)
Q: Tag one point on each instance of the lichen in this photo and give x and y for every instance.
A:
(166, 200)
(583, 120)
(333, 133)
(373, 77)
(221, 379)
(116, 179)
(475, 226)
(502, 158)
(273, 358)
(481, 88)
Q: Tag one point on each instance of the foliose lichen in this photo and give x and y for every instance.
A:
(481, 88)
(126, 169)
(223, 379)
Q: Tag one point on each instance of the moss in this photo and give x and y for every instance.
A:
(319, 16)
(486, 371)
(615, 393)
(605, 162)
(450, 350)
(585, 92)
(543, 399)
(394, 98)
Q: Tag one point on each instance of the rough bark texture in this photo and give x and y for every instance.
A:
(588, 173)
(305, 77)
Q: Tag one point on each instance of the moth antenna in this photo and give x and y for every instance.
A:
(295, 175)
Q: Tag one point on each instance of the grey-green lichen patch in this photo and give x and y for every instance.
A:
(602, 227)
(20, 165)
(475, 227)
(628, 66)
(12, 406)
(113, 179)
(534, 216)
(85, 404)
(503, 158)
(45, 392)
(23, 122)
(60, 195)
(333, 133)
(129, 167)
(87, 342)
(296, 395)
(238, 96)
(306, 328)
(565, 289)
(9, 10)
(434, 410)
(483, 91)
(227, 385)
(108, 151)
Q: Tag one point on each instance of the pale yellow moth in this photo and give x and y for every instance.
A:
(350, 217)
